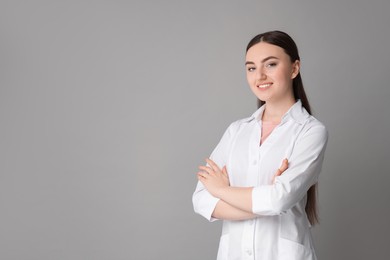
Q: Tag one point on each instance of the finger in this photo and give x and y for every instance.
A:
(212, 164)
(278, 173)
(202, 175)
(201, 179)
(284, 165)
(206, 169)
(282, 168)
(225, 174)
(224, 171)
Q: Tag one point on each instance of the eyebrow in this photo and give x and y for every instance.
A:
(263, 60)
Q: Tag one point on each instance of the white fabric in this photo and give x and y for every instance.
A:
(281, 230)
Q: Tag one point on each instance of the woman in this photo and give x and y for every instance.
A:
(261, 178)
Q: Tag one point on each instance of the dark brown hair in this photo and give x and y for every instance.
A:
(284, 41)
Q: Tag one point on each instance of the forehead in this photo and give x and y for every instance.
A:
(263, 50)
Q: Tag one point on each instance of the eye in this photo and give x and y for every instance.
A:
(251, 69)
(271, 64)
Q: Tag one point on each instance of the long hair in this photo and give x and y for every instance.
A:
(284, 41)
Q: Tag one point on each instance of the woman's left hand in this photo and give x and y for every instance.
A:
(280, 170)
(213, 178)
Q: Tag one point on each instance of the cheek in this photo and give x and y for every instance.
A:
(282, 75)
(249, 78)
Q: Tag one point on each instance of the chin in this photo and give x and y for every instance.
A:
(262, 98)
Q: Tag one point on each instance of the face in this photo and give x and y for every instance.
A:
(270, 72)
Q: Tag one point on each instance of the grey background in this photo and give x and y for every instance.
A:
(108, 107)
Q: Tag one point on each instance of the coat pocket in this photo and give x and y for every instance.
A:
(290, 250)
(223, 249)
(295, 238)
(295, 226)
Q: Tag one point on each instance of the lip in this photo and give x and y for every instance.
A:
(265, 85)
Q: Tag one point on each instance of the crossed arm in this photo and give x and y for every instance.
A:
(235, 202)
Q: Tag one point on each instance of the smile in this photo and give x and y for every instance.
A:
(264, 85)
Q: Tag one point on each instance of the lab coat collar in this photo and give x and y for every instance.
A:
(296, 112)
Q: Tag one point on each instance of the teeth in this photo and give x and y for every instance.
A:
(264, 85)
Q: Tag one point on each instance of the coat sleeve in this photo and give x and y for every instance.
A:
(204, 203)
(305, 165)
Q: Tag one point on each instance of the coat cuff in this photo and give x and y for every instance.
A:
(205, 205)
(261, 200)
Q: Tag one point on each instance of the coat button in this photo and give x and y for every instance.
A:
(249, 252)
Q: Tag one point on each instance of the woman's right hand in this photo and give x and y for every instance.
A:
(282, 168)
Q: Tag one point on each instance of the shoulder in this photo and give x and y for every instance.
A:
(308, 121)
(235, 127)
(238, 124)
(314, 127)
(313, 122)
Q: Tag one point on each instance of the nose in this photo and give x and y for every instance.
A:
(261, 74)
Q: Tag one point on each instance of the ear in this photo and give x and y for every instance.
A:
(295, 69)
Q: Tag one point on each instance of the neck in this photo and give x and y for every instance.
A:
(275, 111)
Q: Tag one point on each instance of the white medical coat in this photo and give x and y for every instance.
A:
(281, 230)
